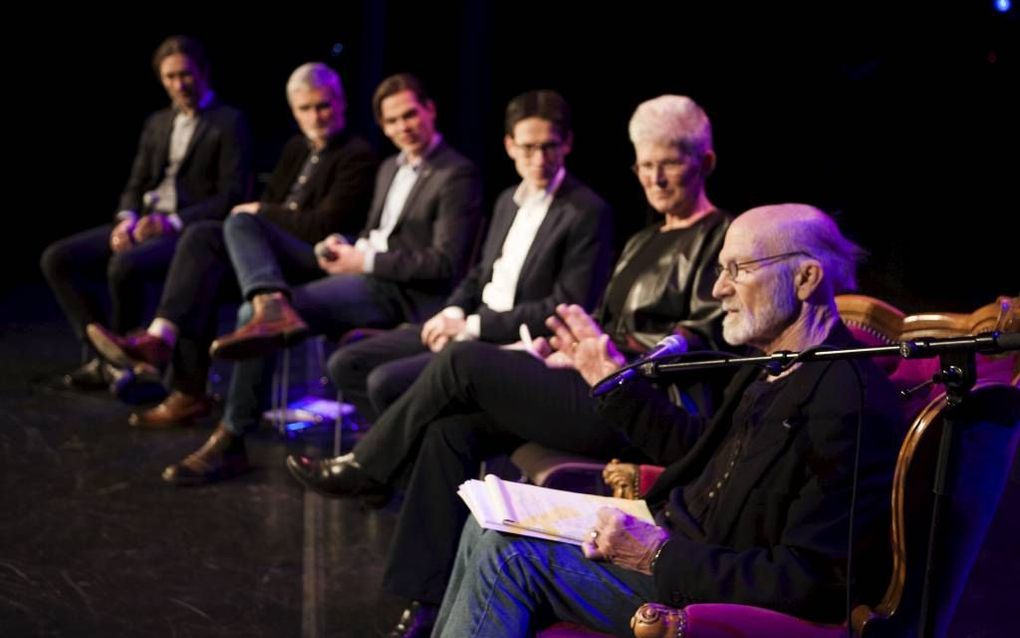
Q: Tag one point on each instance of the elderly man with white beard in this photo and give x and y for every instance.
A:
(754, 506)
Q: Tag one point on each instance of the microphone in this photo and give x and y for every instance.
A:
(668, 347)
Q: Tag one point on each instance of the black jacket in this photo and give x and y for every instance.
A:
(568, 262)
(779, 535)
(215, 173)
(430, 247)
(335, 199)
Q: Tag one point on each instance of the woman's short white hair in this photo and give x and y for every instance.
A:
(315, 75)
(672, 120)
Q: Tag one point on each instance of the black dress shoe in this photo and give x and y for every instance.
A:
(416, 621)
(337, 476)
(91, 376)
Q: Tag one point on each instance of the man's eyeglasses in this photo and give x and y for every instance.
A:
(734, 268)
(670, 167)
(546, 148)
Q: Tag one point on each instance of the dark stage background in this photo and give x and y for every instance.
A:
(901, 122)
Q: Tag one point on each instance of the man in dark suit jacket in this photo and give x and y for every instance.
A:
(422, 224)
(322, 184)
(754, 507)
(549, 242)
(193, 163)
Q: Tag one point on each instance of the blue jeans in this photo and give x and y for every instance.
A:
(507, 585)
(266, 257)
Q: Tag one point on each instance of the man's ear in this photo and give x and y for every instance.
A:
(568, 144)
(508, 144)
(707, 164)
(808, 278)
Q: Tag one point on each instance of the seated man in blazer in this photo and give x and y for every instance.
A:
(193, 163)
(550, 242)
(422, 223)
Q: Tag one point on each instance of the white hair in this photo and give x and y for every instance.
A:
(315, 75)
(674, 120)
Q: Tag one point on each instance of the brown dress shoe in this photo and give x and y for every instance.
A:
(177, 409)
(142, 351)
(221, 457)
(275, 324)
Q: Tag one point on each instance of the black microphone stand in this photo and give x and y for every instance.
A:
(957, 373)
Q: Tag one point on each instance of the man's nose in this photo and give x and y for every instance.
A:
(722, 286)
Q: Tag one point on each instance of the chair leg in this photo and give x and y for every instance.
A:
(320, 353)
(284, 390)
(338, 425)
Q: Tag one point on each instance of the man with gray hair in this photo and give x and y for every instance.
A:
(754, 506)
(322, 184)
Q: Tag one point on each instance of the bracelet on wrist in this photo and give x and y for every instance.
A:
(658, 552)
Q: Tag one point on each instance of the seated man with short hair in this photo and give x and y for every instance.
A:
(192, 164)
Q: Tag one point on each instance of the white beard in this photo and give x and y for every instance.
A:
(745, 327)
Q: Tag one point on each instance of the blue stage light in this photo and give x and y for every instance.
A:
(1002, 6)
(297, 426)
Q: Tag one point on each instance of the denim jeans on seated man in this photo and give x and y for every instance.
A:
(484, 600)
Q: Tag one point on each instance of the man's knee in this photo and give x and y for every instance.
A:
(385, 383)
(469, 357)
(200, 236)
(56, 261)
(242, 224)
(345, 364)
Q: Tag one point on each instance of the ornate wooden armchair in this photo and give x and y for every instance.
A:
(984, 442)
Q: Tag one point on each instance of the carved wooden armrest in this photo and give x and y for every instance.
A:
(653, 620)
(1008, 319)
(629, 480)
(623, 478)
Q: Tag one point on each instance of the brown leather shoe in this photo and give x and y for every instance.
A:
(221, 457)
(141, 350)
(274, 325)
(176, 409)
